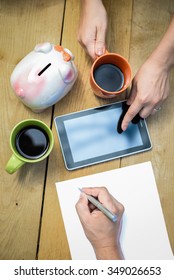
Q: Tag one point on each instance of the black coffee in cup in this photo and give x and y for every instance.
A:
(109, 77)
(32, 142)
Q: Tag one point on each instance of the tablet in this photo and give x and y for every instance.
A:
(93, 136)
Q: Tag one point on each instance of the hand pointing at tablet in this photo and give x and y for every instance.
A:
(150, 86)
(103, 233)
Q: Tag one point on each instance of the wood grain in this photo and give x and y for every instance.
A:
(23, 24)
(53, 242)
(31, 224)
(149, 22)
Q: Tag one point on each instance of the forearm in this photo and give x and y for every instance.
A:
(86, 2)
(164, 53)
(91, 5)
(109, 253)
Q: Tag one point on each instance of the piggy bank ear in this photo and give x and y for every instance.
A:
(70, 53)
(43, 47)
(67, 73)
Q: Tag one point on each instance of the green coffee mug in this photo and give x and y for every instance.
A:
(31, 141)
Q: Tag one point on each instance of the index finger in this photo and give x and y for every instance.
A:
(133, 110)
(95, 191)
(102, 194)
(82, 208)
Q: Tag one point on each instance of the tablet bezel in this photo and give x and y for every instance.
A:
(66, 150)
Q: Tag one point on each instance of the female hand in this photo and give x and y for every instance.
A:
(151, 83)
(150, 88)
(92, 27)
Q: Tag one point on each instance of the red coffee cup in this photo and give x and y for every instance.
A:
(119, 68)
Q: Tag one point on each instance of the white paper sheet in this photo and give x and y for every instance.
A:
(144, 234)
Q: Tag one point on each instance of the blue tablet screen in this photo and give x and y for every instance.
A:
(96, 135)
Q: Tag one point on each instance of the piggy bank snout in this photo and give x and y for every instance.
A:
(20, 92)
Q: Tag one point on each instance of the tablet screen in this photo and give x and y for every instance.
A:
(91, 136)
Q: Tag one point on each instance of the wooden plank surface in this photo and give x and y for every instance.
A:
(53, 242)
(134, 29)
(23, 24)
(149, 22)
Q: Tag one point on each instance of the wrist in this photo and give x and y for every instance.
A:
(109, 253)
(164, 59)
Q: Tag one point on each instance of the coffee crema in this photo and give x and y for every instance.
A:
(32, 142)
(109, 77)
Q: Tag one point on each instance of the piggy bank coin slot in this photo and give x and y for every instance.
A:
(44, 69)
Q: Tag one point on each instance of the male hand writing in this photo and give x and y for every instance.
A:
(103, 234)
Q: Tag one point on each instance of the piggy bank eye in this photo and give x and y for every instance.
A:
(44, 47)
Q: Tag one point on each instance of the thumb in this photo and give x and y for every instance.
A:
(100, 45)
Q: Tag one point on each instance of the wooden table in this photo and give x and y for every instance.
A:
(31, 225)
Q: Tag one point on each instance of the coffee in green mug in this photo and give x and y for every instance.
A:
(31, 141)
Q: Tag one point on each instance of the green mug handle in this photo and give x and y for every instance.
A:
(13, 164)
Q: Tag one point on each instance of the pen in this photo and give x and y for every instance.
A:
(104, 210)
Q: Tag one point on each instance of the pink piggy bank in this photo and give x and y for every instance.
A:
(44, 76)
